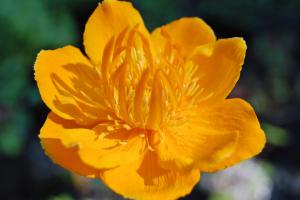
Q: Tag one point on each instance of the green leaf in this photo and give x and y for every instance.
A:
(275, 135)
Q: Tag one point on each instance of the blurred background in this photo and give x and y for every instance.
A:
(270, 80)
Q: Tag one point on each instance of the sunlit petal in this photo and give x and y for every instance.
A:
(186, 34)
(218, 66)
(110, 18)
(146, 180)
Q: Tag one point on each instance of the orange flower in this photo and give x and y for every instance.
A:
(144, 112)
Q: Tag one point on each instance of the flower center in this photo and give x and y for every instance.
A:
(145, 88)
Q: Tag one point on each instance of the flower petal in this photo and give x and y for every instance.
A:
(185, 33)
(183, 146)
(219, 65)
(117, 149)
(234, 115)
(88, 147)
(67, 158)
(68, 85)
(213, 138)
(109, 19)
(146, 180)
(60, 153)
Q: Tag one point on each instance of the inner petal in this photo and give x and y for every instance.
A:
(138, 84)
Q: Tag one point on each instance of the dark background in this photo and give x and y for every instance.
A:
(270, 80)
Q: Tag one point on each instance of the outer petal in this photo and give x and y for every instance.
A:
(234, 115)
(86, 146)
(110, 18)
(185, 33)
(214, 138)
(48, 66)
(66, 156)
(117, 149)
(219, 65)
(68, 85)
(147, 180)
(183, 146)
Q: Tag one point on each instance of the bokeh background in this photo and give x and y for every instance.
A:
(270, 80)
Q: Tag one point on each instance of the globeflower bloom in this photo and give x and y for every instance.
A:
(146, 112)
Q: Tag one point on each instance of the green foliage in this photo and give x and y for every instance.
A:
(219, 196)
(28, 27)
(10, 143)
(61, 197)
(276, 136)
(36, 23)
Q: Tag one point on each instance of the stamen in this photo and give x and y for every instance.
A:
(127, 127)
(110, 128)
(122, 142)
(101, 135)
(109, 117)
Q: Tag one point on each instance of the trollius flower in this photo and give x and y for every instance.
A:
(146, 113)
